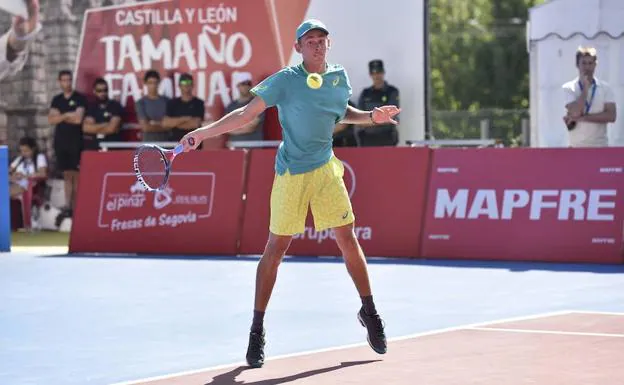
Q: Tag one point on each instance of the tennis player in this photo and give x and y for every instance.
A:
(306, 171)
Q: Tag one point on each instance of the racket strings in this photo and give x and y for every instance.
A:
(152, 167)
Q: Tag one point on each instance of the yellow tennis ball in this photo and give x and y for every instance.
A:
(315, 81)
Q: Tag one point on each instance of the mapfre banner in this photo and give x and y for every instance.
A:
(387, 188)
(198, 212)
(560, 205)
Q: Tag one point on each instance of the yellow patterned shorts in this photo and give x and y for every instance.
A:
(322, 190)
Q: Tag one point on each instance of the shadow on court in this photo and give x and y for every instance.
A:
(229, 378)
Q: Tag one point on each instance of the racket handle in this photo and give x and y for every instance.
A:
(180, 147)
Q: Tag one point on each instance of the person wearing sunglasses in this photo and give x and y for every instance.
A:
(186, 112)
(102, 121)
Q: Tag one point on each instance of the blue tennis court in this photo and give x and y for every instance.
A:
(72, 319)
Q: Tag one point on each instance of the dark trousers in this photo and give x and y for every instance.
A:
(372, 137)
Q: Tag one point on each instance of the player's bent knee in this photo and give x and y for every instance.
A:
(345, 237)
(276, 246)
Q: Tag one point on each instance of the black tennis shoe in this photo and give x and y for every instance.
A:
(255, 350)
(375, 327)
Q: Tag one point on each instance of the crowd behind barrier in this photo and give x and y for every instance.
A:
(410, 202)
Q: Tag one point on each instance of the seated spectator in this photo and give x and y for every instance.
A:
(103, 118)
(29, 164)
(253, 131)
(151, 110)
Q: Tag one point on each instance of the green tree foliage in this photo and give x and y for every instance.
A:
(479, 65)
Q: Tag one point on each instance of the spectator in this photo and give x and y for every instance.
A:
(29, 164)
(151, 110)
(379, 94)
(103, 119)
(186, 112)
(590, 103)
(15, 43)
(253, 131)
(66, 113)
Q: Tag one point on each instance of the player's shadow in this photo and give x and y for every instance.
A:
(229, 378)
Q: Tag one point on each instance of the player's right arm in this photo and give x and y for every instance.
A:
(229, 122)
(270, 92)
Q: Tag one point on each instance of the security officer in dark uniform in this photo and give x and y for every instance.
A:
(379, 94)
(103, 118)
(344, 134)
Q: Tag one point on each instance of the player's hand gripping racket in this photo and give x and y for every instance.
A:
(152, 164)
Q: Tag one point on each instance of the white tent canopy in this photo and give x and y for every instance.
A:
(555, 30)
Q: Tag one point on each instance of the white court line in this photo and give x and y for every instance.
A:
(41, 249)
(556, 332)
(598, 312)
(342, 347)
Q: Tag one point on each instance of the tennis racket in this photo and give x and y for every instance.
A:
(152, 164)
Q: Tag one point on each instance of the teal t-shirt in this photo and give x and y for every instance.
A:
(307, 116)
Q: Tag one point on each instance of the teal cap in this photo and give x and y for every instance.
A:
(309, 25)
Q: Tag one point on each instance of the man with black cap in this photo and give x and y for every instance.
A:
(379, 94)
(311, 98)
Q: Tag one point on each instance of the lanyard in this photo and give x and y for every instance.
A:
(591, 99)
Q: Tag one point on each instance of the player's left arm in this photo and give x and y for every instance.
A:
(340, 126)
(379, 115)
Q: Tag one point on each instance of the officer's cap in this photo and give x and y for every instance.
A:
(376, 66)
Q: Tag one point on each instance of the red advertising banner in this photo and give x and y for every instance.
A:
(218, 42)
(387, 188)
(198, 212)
(559, 205)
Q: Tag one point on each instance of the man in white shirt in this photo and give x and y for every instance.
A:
(15, 42)
(590, 103)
